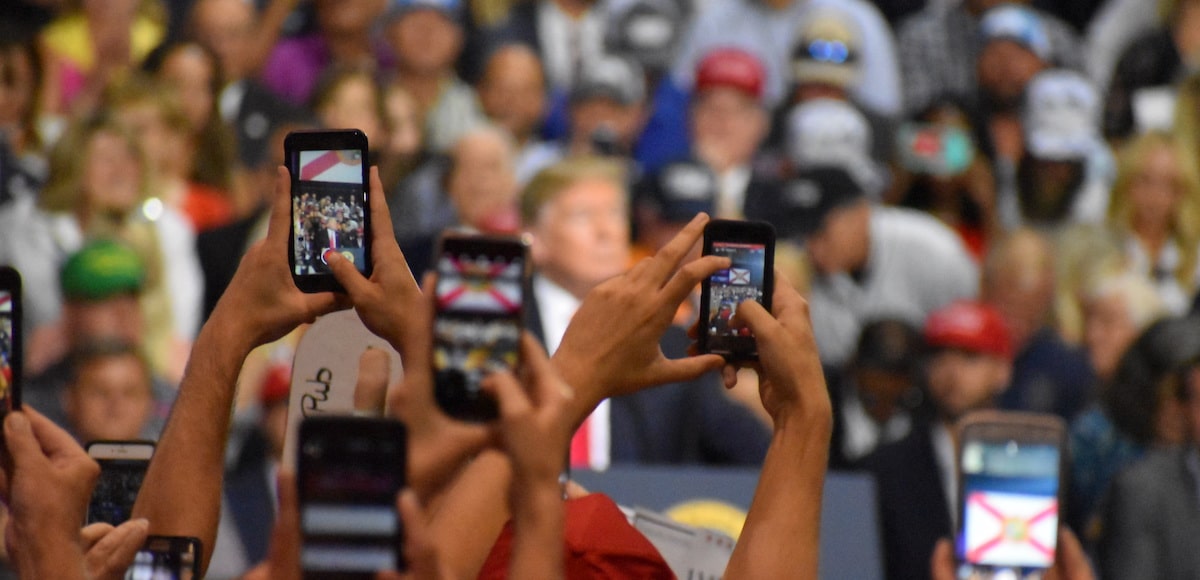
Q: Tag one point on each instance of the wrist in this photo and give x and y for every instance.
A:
(47, 550)
(224, 335)
(587, 392)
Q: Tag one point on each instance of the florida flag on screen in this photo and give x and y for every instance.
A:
(1003, 529)
(334, 166)
(739, 276)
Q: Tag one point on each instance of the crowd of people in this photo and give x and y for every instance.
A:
(978, 203)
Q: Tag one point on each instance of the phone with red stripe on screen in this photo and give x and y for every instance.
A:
(330, 209)
(10, 340)
(1010, 492)
(480, 294)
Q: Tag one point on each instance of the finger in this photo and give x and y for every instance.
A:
(512, 400)
(19, 439)
(356, 285)
(279, 226)
(114, 553)
(686, 279)
(669, 256)
(684, 369)
(547, 385)
(92, 533)
(729, 376)
(752, 315)
(573, 490)
(941, 562)
(1072, 561)
(374, 369)
(420, 551)
(381, 219)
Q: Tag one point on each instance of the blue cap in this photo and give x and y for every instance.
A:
(451, 9)
(1019, 24)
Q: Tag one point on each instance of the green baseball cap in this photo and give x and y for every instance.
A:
(102, 269)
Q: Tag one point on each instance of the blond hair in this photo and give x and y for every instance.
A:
(553, 180)
(1085, 253)
(1139, 296)
(1185, 224)
(68, 161)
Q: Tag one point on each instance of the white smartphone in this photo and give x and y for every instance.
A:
(122, 467)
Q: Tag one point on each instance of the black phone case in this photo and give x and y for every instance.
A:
(10, 281)
(736, 231)
(335, 140)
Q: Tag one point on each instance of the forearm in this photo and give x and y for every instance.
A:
(44, 554)
(781, 534)
(538, 523)
(181, 494)
(469, 517)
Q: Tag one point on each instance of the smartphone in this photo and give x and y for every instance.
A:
(349, 472)
(938, 150)
(122, 467)
(10, 340)
(1010, 473)
(480, 296)
(330, 212)
(750, 247)
(166, 558)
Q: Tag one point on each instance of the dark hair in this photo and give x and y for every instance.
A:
(1147, 373)
(889, 345)
(105, 348)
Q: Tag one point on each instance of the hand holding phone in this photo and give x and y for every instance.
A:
(480, 296)
(330, 210)
(1010, 468)
(11, 351)
(350, 470)
(750, 247)
(123, 465)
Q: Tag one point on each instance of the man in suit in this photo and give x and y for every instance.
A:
(577, 214)
(1152, 515)
(969, 365)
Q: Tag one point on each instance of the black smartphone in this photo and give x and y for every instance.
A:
(750, 247)
(349, 472)
(122, 467)
(11, 350)
(330, 211)
(167, 558)
(480, 295)
(1010, 473)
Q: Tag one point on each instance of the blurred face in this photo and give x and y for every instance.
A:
(960, 382)
(842, 243)
(581, 237)
(16, 86)
(1005, 69)
(1108, 332)
(190, 72)
(354, 104)
(727, 127)
(513, 93)
(483, 185)
(226, 27)
(1155, 192)
(111, 175)
(118, 317)
(347, 17)
(589, 116)
(404, 123)
(111, 399)
(426, 41)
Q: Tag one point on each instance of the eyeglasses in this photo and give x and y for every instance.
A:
(834, 51)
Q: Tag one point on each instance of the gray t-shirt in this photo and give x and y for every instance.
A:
(915, 265)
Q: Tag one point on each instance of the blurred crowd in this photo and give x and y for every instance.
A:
(984, 203)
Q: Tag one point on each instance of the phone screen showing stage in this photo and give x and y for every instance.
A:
(742, 281)
(328, 209)
(478, 326)
(8, 341)
(116, 490)
(1010, 511)
(177, 562)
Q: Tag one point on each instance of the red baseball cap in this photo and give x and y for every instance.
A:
(970, 326)
(276, 384)
(733, 68)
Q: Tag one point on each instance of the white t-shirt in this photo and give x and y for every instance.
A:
(915, 265)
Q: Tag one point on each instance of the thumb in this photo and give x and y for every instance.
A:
(684, 369)
(113, 554)
(346, 274)
(752, 315)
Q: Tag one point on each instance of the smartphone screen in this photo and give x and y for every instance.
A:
(122, 469)
(166, 558)
(329, 204)
(1010, 510)
(480, 301)
(350, 470)
(750, 247)
(10, 340)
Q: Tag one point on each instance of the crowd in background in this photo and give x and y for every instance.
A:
(984, 203)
